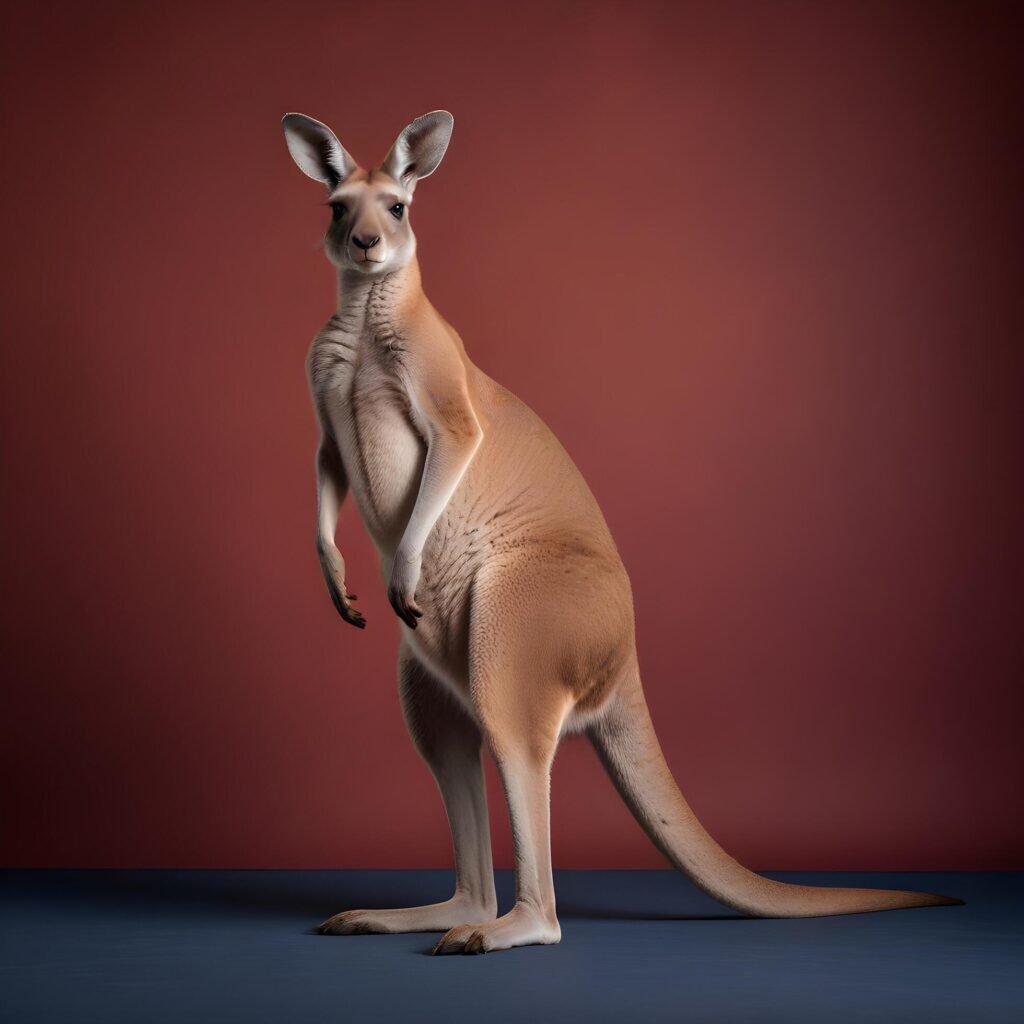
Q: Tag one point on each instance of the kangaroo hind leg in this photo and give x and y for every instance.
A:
(521, 708)
(449, 741)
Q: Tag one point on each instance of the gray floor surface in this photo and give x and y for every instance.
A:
(227, 946)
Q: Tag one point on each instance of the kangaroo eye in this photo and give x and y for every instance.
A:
(396, 211)
(337, 211)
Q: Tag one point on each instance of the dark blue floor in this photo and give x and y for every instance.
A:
(223, 946)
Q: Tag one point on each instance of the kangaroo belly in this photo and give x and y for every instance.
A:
(382, 452)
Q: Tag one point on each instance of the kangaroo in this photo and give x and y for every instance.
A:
(516, 613)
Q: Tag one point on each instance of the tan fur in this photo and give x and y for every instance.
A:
(517, 615)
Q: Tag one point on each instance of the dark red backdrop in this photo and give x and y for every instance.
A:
(799, 410)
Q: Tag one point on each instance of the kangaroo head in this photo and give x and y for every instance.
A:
(369, 230)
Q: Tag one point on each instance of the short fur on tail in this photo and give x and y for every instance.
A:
(627, 745)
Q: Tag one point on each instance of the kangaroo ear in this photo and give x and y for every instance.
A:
(419, 149)
(316, 150)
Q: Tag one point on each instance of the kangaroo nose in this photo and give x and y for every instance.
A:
(365, 243)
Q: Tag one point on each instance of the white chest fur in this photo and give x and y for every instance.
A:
(357, 385)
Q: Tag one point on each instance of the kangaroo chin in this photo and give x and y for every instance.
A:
(516, 612)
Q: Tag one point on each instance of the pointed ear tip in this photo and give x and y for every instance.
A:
(439, 115)
(294, 119)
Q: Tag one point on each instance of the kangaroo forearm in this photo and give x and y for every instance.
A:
(446, 463)
(332, 486)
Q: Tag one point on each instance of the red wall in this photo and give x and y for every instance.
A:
(800, 410)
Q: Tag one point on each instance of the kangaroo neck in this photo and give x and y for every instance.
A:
(380, 307)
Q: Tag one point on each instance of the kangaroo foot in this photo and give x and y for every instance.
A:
(521, 926)
(437, 917)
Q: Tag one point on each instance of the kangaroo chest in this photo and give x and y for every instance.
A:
(357, 383)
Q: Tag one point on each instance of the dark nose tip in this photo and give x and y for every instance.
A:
(365, 243)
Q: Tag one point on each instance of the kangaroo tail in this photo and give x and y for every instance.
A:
(627, 745)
